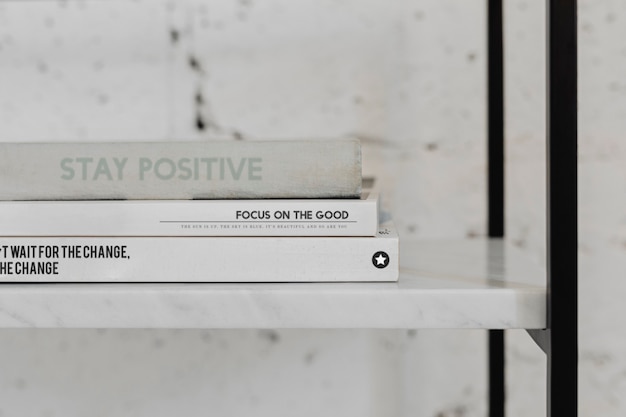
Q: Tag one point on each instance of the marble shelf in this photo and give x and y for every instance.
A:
(476, 283)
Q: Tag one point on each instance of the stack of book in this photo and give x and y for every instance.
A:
(253, 211)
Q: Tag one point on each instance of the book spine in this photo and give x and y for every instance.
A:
(180, 170)
(200, 259)
(311, 217)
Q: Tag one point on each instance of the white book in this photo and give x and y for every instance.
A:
(180, 170)
(281, 217)
(201, 259)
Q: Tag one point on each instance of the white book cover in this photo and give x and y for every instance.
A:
(180, 170)
(280, 217)
(201, 259)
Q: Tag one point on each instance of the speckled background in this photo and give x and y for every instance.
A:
(408, 78)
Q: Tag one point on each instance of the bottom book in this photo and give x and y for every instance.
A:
(201, 259)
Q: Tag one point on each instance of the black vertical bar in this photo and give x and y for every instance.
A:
(495, 103)
(562, 213)
(495, 184)
(496, 373)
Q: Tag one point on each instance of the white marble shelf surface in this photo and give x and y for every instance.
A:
(475, 283)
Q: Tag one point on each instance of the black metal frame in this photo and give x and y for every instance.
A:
(495, 185)
(560, 339)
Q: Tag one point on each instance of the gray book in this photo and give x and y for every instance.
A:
(180, 170)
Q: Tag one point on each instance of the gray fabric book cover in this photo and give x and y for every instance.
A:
(180, 170)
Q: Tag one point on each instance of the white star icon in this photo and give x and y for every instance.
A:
(380, 259)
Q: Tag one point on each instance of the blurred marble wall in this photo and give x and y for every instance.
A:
(405, 76)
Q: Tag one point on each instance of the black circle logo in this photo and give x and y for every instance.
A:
(380, 259)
